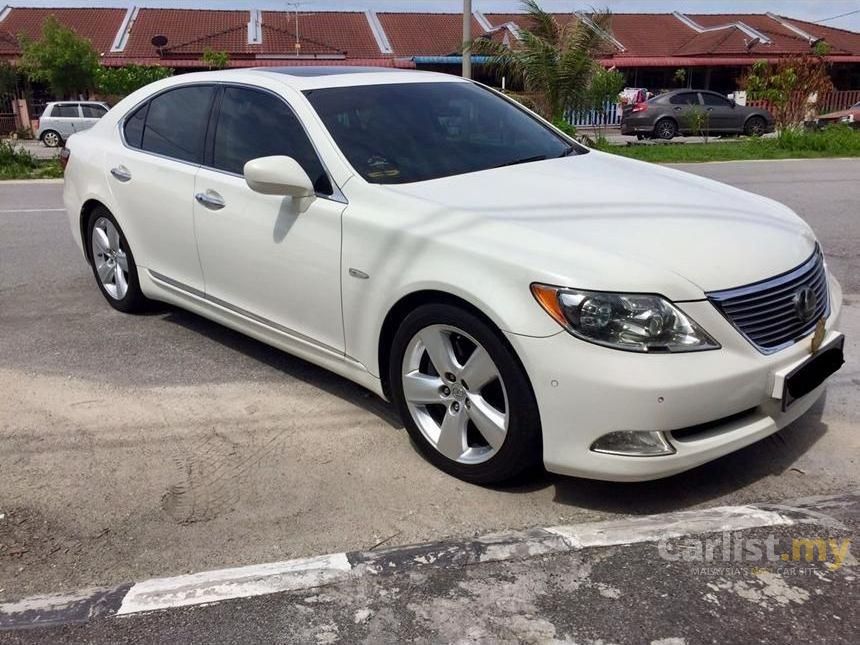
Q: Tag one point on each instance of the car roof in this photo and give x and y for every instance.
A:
(313, 77)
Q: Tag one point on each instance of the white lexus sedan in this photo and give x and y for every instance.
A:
(518, 297)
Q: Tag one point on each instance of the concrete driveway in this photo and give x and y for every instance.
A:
(161, 444)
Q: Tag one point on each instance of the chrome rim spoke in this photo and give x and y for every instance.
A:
(100, 241)
(122, 261)
(479, 369)
(439, 348)
(489, 421)
(452, 435)
(422, 389)
(120, 282)
(105, 272)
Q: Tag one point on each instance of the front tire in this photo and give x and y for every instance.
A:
(463, 395)
(113, 263)
(754, 127)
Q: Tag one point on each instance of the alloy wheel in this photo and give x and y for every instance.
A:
(51, 139)
(111, 261)
(455, 394)
(665, 129)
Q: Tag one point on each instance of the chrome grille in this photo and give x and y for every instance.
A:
(768, 313)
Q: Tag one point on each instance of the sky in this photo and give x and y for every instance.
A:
(813, 10)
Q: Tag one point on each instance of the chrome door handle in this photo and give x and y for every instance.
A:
(211, 200)
(121, 173)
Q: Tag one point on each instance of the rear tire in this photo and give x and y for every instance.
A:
(754, 127)
(665, 129)
(113, 263)
(52, 139)
(483, 432)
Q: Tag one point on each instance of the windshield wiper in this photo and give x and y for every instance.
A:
(568, 151)
(523, 160)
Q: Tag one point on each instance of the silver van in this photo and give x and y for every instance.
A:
(62, 119)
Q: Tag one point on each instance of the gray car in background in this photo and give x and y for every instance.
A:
(693, 112)
(61, 120)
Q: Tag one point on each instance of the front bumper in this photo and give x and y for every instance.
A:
(585, 391)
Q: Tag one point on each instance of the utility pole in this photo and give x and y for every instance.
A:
(467, 38)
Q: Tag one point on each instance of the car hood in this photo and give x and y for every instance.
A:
(599, 221)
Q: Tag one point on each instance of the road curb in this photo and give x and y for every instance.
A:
(319, 571)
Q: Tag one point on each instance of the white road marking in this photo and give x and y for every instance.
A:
(239, 582)
(651, 528)
(32, 210)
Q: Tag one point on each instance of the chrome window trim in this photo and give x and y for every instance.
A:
(337, 194)
(718, 297)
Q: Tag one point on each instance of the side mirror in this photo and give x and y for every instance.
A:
(278, 175)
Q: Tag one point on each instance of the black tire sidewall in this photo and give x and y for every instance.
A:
(134, 300)
(522, 447)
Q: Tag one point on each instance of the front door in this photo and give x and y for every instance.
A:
(260, 255)
(65, 117)
(722, 116)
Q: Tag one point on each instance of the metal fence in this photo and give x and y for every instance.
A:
(829, 102)
(7, 115)
(608, 116)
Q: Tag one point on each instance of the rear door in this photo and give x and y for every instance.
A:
(65, 117)
(151, 175)
(721, 113)
(91, 113)
(683, 105)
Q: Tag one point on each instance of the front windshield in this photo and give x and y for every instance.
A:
(406, 132)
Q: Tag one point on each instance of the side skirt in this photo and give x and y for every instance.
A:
(161, 287)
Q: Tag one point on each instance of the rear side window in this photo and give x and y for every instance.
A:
(66, 110)
(133, 128)
(93, 111)
(686, 98)
(174, 123)
(255, 124)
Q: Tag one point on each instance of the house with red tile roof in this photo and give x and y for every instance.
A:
(712, 49)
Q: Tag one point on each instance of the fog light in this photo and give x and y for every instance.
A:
(633, 443)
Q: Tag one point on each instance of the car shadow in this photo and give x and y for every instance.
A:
(283, 362)
(772, 456)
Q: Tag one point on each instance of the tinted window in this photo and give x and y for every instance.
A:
(93, 111)
(176, 123)
(255, 124)
(407, 132)
(66, 110)
(713, 99)
(133, 129)
(686, 98)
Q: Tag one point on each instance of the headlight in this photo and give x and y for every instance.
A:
(848, 118)
(631, 321)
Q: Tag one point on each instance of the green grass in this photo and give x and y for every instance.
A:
(835, 141)
(17, 163)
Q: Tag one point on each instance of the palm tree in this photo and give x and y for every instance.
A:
(555, 62)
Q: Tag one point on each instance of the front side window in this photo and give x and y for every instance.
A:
(715, 100)
(66, 110)
(93, 111)
(685, 98)
(175, 123)
(254, 124)
(406, 132)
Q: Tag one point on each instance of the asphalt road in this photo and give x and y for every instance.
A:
(133, 447)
